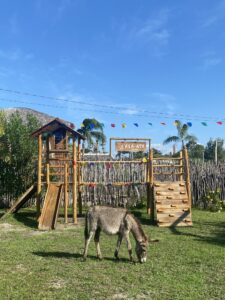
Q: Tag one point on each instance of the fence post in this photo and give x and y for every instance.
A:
(74, 182)
(187, 171)
(79, 179)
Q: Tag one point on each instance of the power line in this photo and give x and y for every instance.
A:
(140, 112)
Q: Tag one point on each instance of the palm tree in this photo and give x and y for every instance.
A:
(92, 130)
(182, 135)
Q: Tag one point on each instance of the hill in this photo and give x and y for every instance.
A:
(23, 111)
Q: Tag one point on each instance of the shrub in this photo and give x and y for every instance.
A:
(212, 201)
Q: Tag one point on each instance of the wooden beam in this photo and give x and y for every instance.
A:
(66, 193)
(38, 201)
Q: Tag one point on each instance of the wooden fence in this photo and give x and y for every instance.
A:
(204, 177)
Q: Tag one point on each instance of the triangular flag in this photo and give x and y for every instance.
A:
(204, 123)
(113, 125)
(150, 124)
(162, 123)
(124, 125)
(72, 125)
(136, 124)
(219, 123)
(91, 126)
(189, 124)
(176, 122)
(82, 125)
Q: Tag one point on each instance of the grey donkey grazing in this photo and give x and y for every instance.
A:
(115, 221)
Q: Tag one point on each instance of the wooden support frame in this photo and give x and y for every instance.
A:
(80, 208)
(66, 194)
(39, 183)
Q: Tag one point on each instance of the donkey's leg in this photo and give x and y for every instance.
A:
(129, 247)
(119, 241)
(96, 238)
(87, 242)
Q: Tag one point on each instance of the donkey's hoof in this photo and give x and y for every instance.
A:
(116, 255)
(99, 257)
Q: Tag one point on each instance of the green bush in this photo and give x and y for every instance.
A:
(212, 200)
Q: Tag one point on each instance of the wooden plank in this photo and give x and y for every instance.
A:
(22, 200)
(173, 194)
(172, 206)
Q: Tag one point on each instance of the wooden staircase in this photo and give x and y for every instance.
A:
(172, 205)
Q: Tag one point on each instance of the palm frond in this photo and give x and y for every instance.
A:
(171, 139)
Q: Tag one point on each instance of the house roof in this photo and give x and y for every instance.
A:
(55, 125)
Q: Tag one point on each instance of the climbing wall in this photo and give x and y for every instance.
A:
(172, 206)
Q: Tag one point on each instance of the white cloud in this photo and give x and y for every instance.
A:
(210, 60)
(15, 55)
(215, 15)
(152, 32)
(154, 29)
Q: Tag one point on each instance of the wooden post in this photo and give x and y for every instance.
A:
(181, 168)
(151, 181)
(187, 171)
(38, 201)
(79, 179)
(74, 182)
(47, 174)
(66, 193)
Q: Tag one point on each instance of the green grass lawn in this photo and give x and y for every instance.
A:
(187, 263)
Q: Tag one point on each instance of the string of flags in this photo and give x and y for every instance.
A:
(124, 125)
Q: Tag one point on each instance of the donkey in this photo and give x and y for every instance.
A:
(115, 221)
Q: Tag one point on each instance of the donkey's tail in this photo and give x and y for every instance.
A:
(87, 228)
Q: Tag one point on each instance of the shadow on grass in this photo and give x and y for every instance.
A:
(143, 218)
(28, 218)
(217, 236)
(58, 254)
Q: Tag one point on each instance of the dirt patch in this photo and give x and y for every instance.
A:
(57, 283)
(6, 227)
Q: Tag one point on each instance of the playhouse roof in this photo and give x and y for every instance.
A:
(54, 125)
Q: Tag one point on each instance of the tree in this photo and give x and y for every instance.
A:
(92, 130)
(18, 153)
(211, 147)
(196, 151)
(182, 135)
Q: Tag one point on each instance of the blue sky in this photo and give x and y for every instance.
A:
(165, 57)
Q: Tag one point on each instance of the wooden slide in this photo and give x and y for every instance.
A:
(50, 209)
(22, 200)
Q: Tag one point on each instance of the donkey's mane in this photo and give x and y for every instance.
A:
(139, 225)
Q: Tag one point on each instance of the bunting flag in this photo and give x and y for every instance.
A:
(91, 126)
(189, 124)
(124, 125)
(72, 126)
(82, 125)
(176, 122)
(136, 124)
(219, 123)
(113, 125)
(150, 124)
(162, 123)
(204, 123)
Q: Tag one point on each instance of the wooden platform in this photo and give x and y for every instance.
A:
(172, 206)
(50, 208)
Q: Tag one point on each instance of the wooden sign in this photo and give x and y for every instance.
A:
(130, 146)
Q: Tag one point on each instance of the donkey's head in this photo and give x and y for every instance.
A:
(141, 250)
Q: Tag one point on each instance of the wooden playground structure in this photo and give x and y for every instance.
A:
(61, 179)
